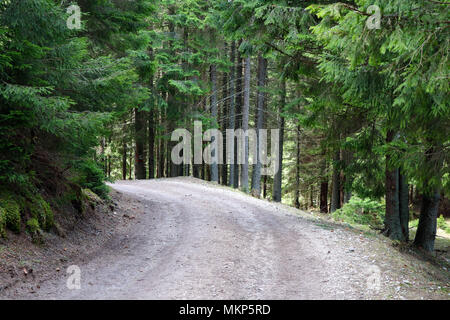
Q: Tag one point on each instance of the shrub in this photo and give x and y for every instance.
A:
(2, 223)
(92, 177)
(41, 211)
(34, 230)
(361, 211)
(33, 226)
(12, 214)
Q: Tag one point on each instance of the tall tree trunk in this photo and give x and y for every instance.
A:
(404, 205)
(233, 71)
(426, 231)
(152, 118)
(336, 188)
(224, 125)
(262, 75)
(297, 169)
(151, 144)
(324, 188)
(214, 112)
(160, 163)
(392, 226)
(130, 171)
(124, 160)
(245, 118)
(239, 102)
(347, 181)
(276, 195)
(161, 158)
(140, 137)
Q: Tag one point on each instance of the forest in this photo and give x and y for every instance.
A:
(91, 91)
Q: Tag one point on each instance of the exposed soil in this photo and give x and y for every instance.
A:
(184, 238)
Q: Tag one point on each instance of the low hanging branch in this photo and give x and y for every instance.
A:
(352, 8)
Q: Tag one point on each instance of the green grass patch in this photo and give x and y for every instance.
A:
(362, 212)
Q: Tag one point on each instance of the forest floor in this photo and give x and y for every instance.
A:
(184, 238)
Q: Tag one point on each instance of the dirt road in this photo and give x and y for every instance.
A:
(197, 241)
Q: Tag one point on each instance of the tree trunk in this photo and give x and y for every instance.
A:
(224, 125)
(276, 196)
(392, 226)
(324, 189)
(233, 166)
(336, 188)
(130, 171)
(297, 170)
(245, 118)
(239, 97)
(214, 112)
(140, 135)
(348, 180)
(124, 160)
(404, 205)
(426, 231)
(265, 187)
(262, 75)
(151, 144)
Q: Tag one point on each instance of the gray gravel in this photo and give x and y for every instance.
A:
(198, 241)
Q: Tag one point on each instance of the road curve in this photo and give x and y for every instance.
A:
(199, 241)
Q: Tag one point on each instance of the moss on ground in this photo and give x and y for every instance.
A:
(40, 210)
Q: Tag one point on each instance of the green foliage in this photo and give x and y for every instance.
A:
(442, 224)
(361, 211)
(41, 211)
(33, 226)
(90, 176)
(34, 229)
(2, 223)
(414, 223)
(11, 213)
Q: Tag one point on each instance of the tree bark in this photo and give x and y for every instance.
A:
(336, 188)
(224, 125)
(245, 118)
(214, 112)
(262, 75)
(404, 205)
(297, 170)
(347, 181)
(324, 189)
(426, 231)
(151, 144)
(233, 165)
(140, 135)
(392, 226)
(276, 196)
(124, 160)
(239, 102)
